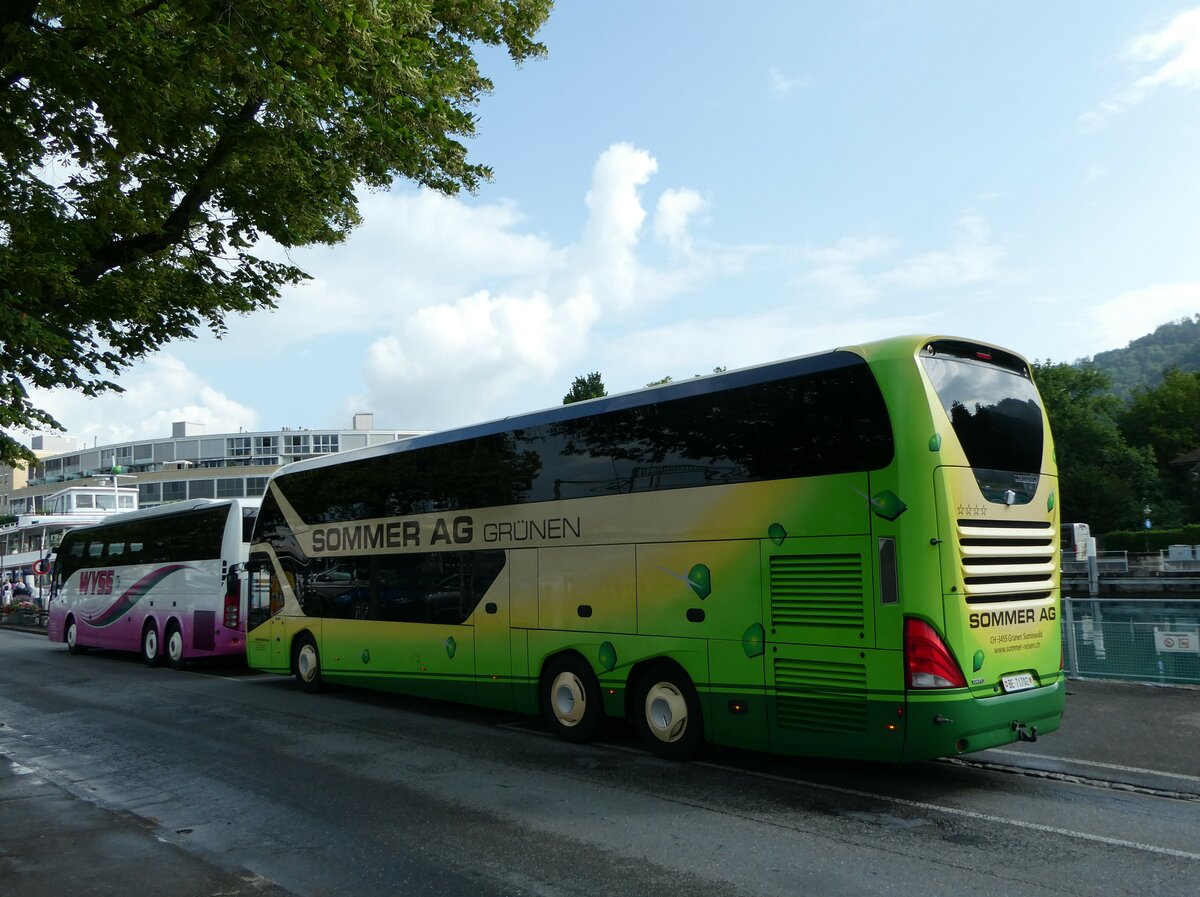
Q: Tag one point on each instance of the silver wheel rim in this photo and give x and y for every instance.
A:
(666, 712)
(175, 645)
(150, 644)
(306, 662)
(71, 635)
(568, 699)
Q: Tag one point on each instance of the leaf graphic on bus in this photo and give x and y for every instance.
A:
(699, 579)
(133, 595)
(608, 656)
(754, 640)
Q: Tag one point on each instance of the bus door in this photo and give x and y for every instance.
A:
(493, 650)
(819, 622)
(266, 646)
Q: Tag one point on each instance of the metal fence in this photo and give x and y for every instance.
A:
(1137, 639)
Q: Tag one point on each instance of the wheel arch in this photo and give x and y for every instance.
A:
(297, 638)
(549, 659)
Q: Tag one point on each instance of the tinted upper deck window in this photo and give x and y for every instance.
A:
(816, 422)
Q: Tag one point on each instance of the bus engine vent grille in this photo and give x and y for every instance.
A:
(817, 590)
(815, 696)
(1007, 560)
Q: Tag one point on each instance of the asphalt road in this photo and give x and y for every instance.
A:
(118, 779)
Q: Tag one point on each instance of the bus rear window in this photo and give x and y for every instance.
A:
(995, 412)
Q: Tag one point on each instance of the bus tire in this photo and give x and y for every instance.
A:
(175, 647)
(151, 645)
(666, 712)
(306, 663)
(71, 637)
(572, 705)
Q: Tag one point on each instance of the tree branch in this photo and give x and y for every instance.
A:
(116, 253)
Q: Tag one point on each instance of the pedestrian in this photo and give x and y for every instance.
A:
(7, 593)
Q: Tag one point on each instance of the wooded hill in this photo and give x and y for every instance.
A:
(1126, 428)
(1143, 361)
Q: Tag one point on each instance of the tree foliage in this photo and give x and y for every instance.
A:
(148, 146)
(586, 387)
(1166, 420)
(1103, 481)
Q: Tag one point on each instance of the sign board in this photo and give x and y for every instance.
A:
(1177, 642)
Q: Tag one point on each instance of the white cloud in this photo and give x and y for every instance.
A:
(413, 249)
(972, 259)
(1135, 313)
(1173, 57)
(837, 274)
(501, 341)
(783, 85)
(456, 362)
(673, 215)
(157, 393)
(605, 262)
(841, 272)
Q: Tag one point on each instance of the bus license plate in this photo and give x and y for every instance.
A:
(1019, 682)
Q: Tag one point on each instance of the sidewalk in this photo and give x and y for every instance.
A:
(55, 843)
(1137, 733)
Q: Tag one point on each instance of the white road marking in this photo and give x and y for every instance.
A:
(1137, 769)
(973, 814)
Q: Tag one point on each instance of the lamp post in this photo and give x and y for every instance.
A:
(118, 474)
(1146, 511)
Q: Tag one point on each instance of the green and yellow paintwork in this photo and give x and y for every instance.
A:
(689, 575)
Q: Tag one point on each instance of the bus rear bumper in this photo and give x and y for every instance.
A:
(944, 726)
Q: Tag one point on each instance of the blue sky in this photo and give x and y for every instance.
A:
(685, 185)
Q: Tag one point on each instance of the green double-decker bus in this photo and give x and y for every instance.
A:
(848, 554)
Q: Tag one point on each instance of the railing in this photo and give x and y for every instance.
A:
(1136, 639)
(1107, 562)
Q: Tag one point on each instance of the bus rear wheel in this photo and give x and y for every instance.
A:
(571, 702)
(72, 638)
(175, 647)
(306, 664)
(151, 647)
(666, 712)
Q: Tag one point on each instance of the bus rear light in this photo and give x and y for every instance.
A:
(232, 611)
(927, 661)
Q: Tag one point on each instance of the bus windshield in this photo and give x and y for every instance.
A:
(996, 414)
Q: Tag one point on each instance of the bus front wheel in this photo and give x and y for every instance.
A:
(666, 712)
(151, 648)
(306, 664)
(571, 702)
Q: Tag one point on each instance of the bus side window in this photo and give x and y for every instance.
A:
(265, 598)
